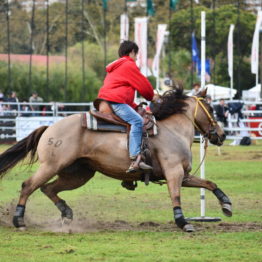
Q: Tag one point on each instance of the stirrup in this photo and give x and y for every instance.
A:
(144, 166)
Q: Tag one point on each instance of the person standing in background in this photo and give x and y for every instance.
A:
(35, 99)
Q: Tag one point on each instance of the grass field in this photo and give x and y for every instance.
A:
(113, 224)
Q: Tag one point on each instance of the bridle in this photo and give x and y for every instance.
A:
(212, 122)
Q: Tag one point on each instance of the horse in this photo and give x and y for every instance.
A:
(74, 154)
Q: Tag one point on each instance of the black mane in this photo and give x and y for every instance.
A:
(172, 102)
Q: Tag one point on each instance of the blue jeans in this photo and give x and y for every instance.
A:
(128, 114)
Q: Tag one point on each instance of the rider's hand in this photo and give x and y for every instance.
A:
(156, 98)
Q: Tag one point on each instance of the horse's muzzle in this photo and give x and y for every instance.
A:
(217, 139)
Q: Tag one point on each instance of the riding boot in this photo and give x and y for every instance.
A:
(137, 164)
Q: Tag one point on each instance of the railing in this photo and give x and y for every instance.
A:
(13, 114)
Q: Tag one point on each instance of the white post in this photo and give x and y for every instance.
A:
(230, 58)
(203, 74)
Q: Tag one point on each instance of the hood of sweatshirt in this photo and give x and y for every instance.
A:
(115, 64)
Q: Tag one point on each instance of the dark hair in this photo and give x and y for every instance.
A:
(196, 84)
(127, 47)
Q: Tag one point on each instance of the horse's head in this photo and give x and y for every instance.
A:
(205, 122)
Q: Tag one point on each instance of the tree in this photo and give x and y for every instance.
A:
(216, 38)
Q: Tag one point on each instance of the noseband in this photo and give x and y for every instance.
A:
(212, 122)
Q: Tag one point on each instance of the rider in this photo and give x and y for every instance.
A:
(122, 80)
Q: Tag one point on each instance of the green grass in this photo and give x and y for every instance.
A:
(237, 171)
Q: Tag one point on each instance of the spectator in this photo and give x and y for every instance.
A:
(195, 90)
(3, 108)
(209, 100)
(25, 109)
(13, 99)
(35, 99)
(222, 113)
(2, 96)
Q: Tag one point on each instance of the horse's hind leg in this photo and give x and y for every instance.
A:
(66, 181)
(193, 181)
(42, 175)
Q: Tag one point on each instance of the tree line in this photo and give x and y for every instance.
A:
(77, 30)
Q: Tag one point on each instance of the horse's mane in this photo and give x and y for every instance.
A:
(172, 102)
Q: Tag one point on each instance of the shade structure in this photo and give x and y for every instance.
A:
(252, 93)
(218, 92)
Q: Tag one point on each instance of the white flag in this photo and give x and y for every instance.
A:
(124, 27)
(141, 41)
(230, 50)
(255, 45)
(161, 30)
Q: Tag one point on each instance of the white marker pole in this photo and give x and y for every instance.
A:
(203, 82)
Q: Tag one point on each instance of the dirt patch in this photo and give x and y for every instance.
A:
(85, 225)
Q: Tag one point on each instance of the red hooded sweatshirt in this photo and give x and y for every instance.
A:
(122, 80)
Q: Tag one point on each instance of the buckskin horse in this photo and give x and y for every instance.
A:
(74, 154)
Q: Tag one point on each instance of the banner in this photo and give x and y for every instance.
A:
(230, 50)
(255, 45)
(141, 41)
(26, 125)
(124, 27)
(161, 30)
(105, 5)
(195, 52)
(172, 4)
(150, 8)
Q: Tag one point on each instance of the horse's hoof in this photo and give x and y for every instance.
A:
(227, 209)
(66, 221)
(189, 228)
(22, 229)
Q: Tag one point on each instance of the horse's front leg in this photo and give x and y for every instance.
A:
(174, 182)
(193, 181)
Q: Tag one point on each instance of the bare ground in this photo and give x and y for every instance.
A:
(85, 225)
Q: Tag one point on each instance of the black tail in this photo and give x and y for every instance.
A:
(19, 151)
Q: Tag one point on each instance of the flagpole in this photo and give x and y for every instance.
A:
(105, 33)
(192, 30)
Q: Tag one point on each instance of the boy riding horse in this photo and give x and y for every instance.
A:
(122, 80)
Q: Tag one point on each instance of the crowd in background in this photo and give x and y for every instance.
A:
(23, 108)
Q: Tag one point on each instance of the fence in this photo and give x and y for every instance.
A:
(19, 119)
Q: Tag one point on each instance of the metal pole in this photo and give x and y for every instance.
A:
(192, 30)
(105, 47)
(83, 52)
(260, 60)
(47, 50)
(8, 47)
(169, 43)
(66, 51)
(32, 28)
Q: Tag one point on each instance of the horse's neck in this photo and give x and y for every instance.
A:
(181, 124)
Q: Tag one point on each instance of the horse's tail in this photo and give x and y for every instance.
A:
(19, 151)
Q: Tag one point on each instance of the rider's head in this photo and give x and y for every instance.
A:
(128, 48)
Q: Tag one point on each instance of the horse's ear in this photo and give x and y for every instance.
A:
(202, 93)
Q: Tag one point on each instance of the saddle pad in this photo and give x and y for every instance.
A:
(92, 123)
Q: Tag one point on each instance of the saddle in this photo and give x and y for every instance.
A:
(103, 118)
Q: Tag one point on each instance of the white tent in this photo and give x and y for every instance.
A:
(252, 93)
(218, 92)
